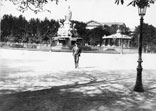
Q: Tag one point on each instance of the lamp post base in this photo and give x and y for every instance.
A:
(139, 86)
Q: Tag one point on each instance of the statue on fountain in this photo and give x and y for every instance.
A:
(65, 28)
(68, 15)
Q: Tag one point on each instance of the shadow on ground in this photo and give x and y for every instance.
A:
(79, 97)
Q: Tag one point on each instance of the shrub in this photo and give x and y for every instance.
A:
(2, 44)
(31, 46)
(17, 46)
(85, 48)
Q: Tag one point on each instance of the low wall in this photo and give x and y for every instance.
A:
(84, 48)
(24, 45)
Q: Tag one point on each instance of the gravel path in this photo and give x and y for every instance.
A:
(104, 82)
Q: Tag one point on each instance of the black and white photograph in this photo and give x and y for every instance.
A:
(77, 55)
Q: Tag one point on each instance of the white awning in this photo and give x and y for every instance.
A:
(117, 35)
(76, 38)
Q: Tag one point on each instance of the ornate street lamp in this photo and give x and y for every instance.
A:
(139, 86)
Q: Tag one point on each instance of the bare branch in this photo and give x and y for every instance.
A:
(33, 5)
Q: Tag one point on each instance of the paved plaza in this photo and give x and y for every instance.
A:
(103, 82)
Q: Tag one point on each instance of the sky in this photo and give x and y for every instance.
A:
(86, 10)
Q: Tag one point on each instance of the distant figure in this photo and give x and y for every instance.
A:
(76, 54)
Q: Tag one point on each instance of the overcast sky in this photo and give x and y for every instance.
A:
(85, 10)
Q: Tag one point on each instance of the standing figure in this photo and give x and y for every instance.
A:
(76, 54)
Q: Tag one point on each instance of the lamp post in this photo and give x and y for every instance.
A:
(139, 86)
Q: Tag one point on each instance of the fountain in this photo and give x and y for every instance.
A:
(67, 34)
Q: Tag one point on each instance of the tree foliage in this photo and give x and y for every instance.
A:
(12, 26)
(80, 28)
(149, 35)
(18, 29)
(94, 36)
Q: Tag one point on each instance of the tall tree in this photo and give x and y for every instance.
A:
(5, 27)
(32, 30)
(17, 29)
(80, 28)
(21, 28)
(149, 35)
(51, 31)
(95, 35)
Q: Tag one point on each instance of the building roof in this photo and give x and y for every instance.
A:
(93, 24)
(113, 23)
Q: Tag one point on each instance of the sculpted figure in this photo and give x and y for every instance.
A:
(68, 16)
